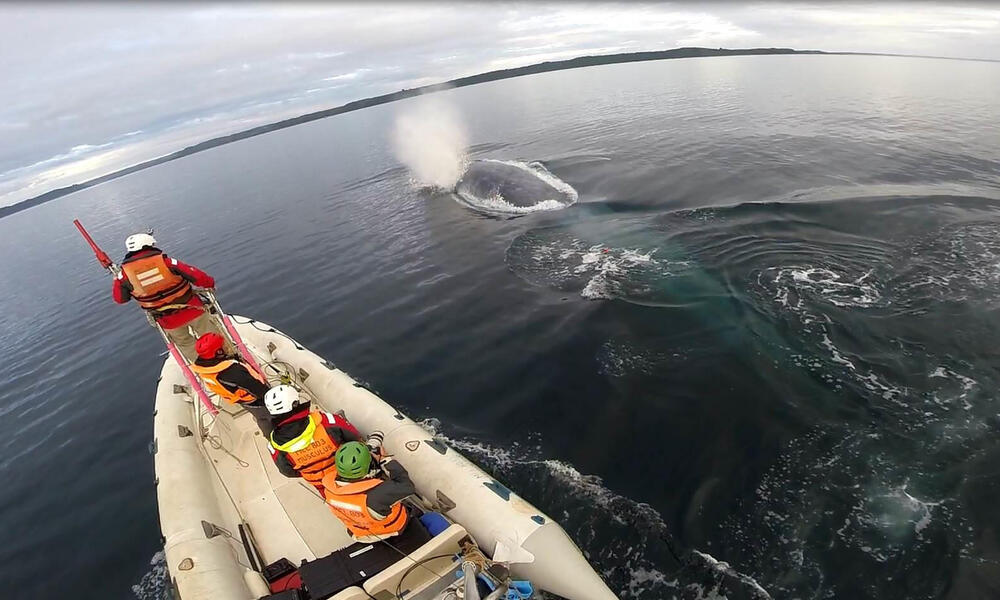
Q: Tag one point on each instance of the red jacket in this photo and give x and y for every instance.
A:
(121, 289)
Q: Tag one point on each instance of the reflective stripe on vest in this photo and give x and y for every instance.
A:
(210, 377)
(154, 285)
(312, 453)
(350, 504)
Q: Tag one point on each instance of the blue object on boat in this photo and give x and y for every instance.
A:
(520, 590)
(434, 522)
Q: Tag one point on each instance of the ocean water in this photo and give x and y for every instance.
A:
(762, 334)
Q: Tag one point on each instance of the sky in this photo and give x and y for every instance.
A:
(86, 89)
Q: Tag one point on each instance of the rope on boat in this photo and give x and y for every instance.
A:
(217, 444)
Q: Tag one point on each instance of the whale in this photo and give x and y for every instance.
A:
(512, 187)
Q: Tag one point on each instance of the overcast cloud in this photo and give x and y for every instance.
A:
(90, 89)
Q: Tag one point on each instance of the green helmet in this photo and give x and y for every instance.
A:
(353, 460)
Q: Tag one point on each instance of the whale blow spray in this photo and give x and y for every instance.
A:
(430, 140)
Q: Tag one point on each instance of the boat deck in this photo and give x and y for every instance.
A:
(289, 517)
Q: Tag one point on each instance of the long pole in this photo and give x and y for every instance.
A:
(188, 374)
(102, 256)
(112, 268)
(234, 336)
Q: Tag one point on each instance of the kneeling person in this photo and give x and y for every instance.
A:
(368, 501)
(304, 442)
(227, 376)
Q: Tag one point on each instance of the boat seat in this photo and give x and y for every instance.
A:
(383, 585)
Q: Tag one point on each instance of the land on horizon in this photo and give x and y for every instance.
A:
(573, 63)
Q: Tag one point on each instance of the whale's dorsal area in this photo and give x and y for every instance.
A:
(512, 187)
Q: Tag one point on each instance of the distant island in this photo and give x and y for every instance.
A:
(544, 67)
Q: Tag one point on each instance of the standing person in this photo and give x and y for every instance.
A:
(304, 441)
(163, 286)
(226, 376)
(368, 500)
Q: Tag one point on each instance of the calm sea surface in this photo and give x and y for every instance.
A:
(766, 330)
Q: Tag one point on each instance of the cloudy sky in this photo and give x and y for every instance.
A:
(88, 89)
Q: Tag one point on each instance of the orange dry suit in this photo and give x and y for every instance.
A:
(209, 375)
(311, 453)
(154, 284)
(350, 503)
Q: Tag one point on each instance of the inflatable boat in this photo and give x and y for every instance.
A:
(234, 528)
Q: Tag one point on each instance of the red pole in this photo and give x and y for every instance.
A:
(102, 256)
(195, 384)
(234, 335)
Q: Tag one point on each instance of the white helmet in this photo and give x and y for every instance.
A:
(281, 399)
(138, 241)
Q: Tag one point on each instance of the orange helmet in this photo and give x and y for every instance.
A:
(208, 345)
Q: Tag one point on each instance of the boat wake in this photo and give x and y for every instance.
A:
(153, 584)
(627, 541)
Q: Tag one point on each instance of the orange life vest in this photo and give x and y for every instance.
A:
(350, 504)
(209, 376)
(154, 285)
(312, 453)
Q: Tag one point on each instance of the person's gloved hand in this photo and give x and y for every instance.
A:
(374, 443)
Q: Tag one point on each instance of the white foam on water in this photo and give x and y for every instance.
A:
(966, 386)
(154, 583)
(609, 266)
(497, 204)
(802, 291)
(920, 508)
(978, 247)
(956, 264)
(618, 358)
(726, 569)
(826, 284)
(600, 271)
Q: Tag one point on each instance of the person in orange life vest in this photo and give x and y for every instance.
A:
(304, 442)
(367, 491)
(226, 376)
(163, 286)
